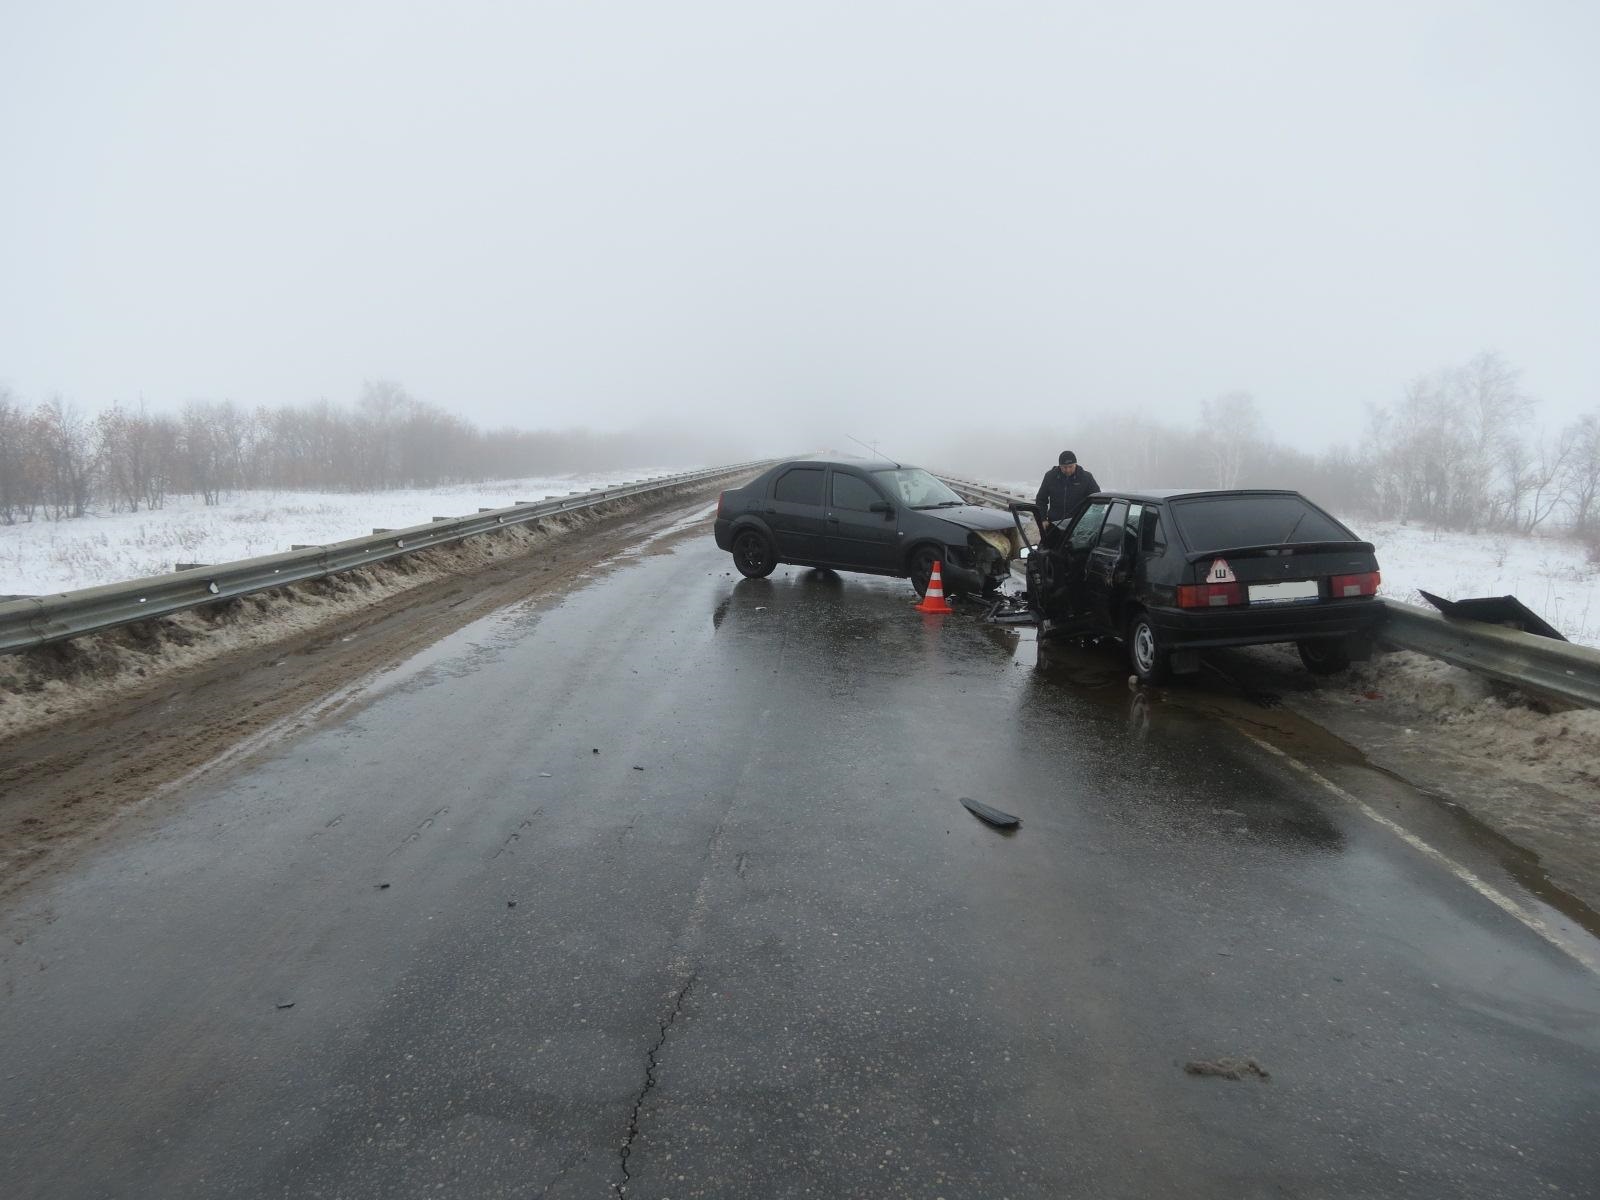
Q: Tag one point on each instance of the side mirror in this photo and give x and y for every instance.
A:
(881, 506)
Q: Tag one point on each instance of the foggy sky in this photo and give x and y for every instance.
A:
(814, 220)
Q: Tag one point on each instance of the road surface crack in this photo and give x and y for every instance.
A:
(651, 1061)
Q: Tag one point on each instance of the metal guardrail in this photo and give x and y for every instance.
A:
(968, 490)
(1559, 670)
(1540, 665)
(37, 620)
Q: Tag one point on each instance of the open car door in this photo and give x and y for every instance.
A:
(1061, 589)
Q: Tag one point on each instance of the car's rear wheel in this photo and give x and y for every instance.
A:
(1148, 657)
(753, 554)
(1326, 657)
(920, 567)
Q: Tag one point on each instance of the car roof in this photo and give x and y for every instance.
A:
(1157, 495)
(856, 464)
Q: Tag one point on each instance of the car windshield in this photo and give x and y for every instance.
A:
(1222, 522)
(915, 488)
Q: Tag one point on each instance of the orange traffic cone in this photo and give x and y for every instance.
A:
(933, 600)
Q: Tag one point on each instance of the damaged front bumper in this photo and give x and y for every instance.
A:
(983, 564)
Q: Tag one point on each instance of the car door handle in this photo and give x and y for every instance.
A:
(833, 520)
(772, 512)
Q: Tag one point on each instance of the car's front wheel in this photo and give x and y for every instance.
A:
(920, 567)
(753, 554)
(1326, 657)
(1146, 654)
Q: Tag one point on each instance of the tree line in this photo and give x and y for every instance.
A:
(57, 462)
(1460, 448)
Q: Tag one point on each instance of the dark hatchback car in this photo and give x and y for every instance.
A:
(1172, 573)
(884, 518)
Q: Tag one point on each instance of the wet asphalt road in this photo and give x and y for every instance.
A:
(440, 946)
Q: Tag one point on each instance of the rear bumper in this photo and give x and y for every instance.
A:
(720, 532)
(1198, 629)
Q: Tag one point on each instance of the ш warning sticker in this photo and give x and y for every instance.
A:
(1220, 572)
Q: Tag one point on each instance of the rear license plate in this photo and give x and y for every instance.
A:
(1302, 591)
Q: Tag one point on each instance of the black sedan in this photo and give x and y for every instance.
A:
(1172, 573)
(883, 518)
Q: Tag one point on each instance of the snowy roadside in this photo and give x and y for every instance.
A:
(41, 557)
(1530, 775)
(45, 685)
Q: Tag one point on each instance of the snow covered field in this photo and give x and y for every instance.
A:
(1550, 576)
(41, 557)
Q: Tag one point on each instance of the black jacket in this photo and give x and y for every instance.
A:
(1060, 495)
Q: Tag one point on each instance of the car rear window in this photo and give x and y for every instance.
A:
(1224, 522)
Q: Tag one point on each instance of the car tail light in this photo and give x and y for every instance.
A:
(1341, 587)
(721, 496)
(1209, 595)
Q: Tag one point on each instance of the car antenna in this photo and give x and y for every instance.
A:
(872, 449)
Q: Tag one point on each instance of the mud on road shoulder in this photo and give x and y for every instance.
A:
(91, 728)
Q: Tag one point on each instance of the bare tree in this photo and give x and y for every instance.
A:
(1487, 403)
(201, 453)
(20, 476)
(65, 452)
(134, 457)
(1582, 470)
(1230, 426)
(1544, 481)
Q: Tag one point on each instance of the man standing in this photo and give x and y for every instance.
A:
(1063, 492)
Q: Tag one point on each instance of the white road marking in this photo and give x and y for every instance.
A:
(1580, 953)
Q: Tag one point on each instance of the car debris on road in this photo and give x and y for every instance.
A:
(993, 816)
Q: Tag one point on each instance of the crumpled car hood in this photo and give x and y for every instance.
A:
(974, 516)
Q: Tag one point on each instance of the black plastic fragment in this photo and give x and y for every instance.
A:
(286, 1004)
(1495, 610)
(1000, 820)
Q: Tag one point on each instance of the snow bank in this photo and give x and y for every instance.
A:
(1480, 720)
(41, 557)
